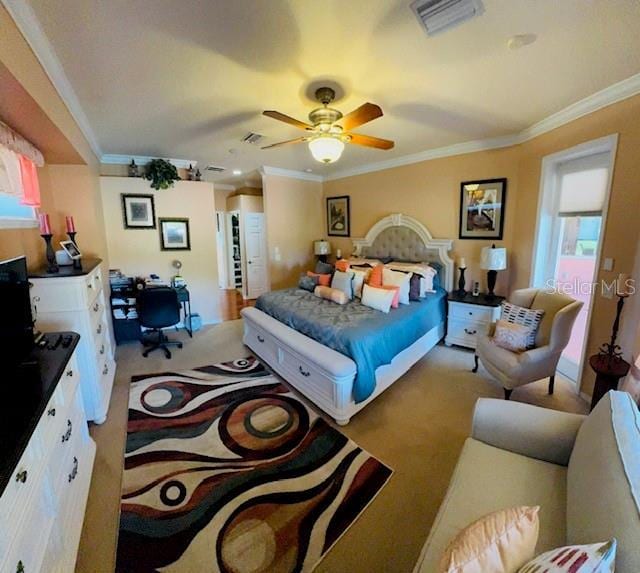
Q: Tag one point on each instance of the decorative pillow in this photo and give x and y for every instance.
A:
(323, 268)
(377, 298)
(359, 278)
(307, 282)
(375, 276)
(594, 558)
(425, 270)
(323, 280)
(396, 298)
(332, 294)
(525, 316)
(344, 282)
(500, 542)
(414, 287)
(342, 265)
(399, 279)
(514, 337)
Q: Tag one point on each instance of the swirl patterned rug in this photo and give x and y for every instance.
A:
(226, 470)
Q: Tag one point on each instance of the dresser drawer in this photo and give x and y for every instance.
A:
(261, 344)
(464, 332)
(472, 312)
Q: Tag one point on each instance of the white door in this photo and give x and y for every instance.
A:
(255, 255)
(221, 248)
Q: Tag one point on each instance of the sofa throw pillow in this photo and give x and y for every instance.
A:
(323, 268)
(359, 278)
(399, 279)
(342, 265)
(593, 558)
(307, 282)
(344, 282)
(500, 542)
(396, 297)
(375, 276)
(323, 280)
(332, 294)
(377, 298)
(511, 336)
(525, 316)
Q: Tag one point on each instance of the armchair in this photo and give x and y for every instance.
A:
(513, 369)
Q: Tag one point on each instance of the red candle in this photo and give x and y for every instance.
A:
(45, 226)
(71, 227)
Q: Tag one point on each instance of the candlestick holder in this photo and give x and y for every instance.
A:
(77, 263)
(52, 266)
(611, 350)
(461, 282)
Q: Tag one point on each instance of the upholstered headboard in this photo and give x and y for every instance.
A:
(405, 238)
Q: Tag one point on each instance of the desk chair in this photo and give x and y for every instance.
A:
(158, 308)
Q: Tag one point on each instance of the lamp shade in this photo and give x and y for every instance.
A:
(322, 247)
(326, 148)
(493, 259)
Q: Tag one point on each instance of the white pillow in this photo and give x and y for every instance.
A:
(396, 278)
(377, 298)
(358, 280)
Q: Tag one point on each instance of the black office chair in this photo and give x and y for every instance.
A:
(158, 308)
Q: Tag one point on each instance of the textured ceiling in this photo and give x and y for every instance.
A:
(189, 79)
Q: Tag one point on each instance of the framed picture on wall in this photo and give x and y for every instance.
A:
(338, 216)
(174, 234)
(482, 208)
(138, 211)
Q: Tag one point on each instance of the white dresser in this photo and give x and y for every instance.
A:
(75, 300)
(46, 477)
(468, 316)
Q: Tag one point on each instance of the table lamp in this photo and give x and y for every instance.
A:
(493, 260)
(322, 249)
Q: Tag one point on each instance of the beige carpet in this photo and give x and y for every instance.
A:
(417, 427)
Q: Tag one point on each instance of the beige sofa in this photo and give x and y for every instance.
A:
(583, 472)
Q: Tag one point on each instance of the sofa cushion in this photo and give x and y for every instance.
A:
(550, 303)
(488, 479)
(603, 480)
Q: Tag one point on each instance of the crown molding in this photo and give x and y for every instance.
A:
(111, 159)
(303, 175)
(29, 26)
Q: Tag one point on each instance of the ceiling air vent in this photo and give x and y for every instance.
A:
(439, 15)
(214, 168)
(252, 138)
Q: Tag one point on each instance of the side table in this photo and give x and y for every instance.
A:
(608, 373)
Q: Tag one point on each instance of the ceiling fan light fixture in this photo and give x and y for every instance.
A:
(326, 149)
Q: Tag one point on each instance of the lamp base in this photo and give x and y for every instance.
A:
(491, 283)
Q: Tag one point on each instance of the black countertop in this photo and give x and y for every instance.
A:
(26, 395)
(67, 271)
(482, 299)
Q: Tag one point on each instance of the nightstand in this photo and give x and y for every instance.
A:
(469, 315)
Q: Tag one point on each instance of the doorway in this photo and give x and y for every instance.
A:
(574, 197)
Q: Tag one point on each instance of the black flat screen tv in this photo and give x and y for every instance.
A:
(16, 321)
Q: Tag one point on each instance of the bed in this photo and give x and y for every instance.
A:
(343, 357)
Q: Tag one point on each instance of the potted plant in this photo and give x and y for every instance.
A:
(161, 173)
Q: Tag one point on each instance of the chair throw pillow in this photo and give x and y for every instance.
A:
(526, 317)
(344, 282)
(593, 558)
(500, 542)
(511, 336)
(309, 283)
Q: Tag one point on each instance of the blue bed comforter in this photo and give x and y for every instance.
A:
(369, 337)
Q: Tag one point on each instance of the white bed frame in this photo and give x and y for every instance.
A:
(320, 373)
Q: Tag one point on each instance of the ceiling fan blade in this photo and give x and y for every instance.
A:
(369, 141)
(290, 120)
(365, 113)
(296, 140)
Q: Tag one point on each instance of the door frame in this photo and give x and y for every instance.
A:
(548, 199)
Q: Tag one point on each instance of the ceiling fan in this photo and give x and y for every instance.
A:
(329, 130)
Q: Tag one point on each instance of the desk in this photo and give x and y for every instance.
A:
(128, 327)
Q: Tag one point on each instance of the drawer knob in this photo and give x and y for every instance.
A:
(260, 339)
(67, 435)
(470, 331)
(305, 373)
(22, 476)
(69, 373)
(105, 370)
(89, 285)
(51, 412)
(20, 567)
(102, 349)
(74, 471)
(99, 329)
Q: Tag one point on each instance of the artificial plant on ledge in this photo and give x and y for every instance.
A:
(161, 173)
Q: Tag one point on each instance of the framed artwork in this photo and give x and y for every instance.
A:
(482, 208)
(138, 212)
(174, 234)
(338, 216)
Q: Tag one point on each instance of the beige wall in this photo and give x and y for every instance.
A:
(293, 215)
(246, 203)
(430, 192)
(136, 252)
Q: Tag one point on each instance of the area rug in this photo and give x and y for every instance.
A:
(227, 470)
